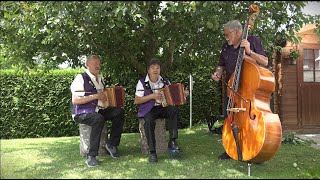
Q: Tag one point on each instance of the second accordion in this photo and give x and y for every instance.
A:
(173, 95)
(115, 96)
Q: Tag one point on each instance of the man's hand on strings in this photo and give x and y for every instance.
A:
(245, 43)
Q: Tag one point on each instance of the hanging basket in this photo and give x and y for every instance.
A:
(293, 61)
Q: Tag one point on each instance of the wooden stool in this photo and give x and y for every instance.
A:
(85, 132)
(160, 136)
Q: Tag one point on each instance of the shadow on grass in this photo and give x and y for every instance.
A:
(60, 158)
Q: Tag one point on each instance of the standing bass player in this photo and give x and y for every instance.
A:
(229, 53)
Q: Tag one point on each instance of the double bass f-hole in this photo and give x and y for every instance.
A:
(252, 117)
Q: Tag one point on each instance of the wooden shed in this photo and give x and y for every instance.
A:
(297, 95)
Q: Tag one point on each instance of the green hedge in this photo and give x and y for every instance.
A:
(37, 103)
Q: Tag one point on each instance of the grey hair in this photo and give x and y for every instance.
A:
(93, 56)
(233, 24)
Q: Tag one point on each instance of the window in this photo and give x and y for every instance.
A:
(311, 65)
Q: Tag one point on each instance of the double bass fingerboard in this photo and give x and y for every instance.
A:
(237, 72)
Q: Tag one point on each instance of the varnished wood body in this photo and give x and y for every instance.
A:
(261, 137)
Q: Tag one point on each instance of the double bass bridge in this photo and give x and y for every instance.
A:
(236, 109)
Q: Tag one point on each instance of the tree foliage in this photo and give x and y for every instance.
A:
(183, 34)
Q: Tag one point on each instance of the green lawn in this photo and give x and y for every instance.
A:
(59, 158)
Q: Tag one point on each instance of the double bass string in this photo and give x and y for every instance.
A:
(246, 100)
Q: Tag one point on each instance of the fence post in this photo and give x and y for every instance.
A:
(191, 88)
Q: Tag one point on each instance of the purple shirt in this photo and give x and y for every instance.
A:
(229, 55)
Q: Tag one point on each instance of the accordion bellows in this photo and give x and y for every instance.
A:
(173, 95)
(115, 96)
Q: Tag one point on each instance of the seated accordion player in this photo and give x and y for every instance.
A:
(173, 95)
(115, 96)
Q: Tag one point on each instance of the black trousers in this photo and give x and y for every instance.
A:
(171, 113)
(97, 120)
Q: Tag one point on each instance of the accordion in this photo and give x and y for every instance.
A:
(115, 96)
(173, 95)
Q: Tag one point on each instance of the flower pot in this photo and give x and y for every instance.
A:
(293, 61)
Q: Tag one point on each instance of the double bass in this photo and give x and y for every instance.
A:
(251, 132)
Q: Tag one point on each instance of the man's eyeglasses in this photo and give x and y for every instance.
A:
(227, 34)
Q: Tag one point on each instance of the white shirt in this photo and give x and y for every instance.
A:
(78, 85)
(156, 85)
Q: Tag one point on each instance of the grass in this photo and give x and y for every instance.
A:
(59, 158)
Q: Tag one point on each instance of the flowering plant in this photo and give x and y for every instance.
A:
(294, 54)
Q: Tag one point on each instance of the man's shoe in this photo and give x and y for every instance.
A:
(91, 161)
(153, 158)
(112, 150)
(173, 146)
(224, 156)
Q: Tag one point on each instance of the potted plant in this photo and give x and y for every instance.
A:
(294, 56)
